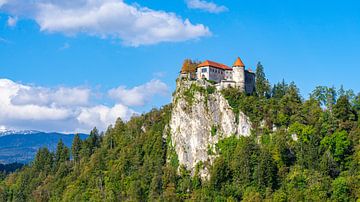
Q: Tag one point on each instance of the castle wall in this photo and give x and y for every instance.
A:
(203, 72)
(216, 74)
(210, 73)
(249, 82)
(228, 75)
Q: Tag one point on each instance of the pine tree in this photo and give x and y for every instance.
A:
(62, 153)
(344, 113)
(262, 85)
(76, 147)
(279, 90)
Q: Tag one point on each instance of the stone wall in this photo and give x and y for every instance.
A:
(249, 82)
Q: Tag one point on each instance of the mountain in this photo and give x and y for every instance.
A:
(21, 146)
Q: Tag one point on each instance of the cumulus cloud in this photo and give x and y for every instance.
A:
(139, 95)
(68, 109)
(27, 95)
(206, 6)
(9, 111)
(132, 24)
(104, 115)
(11, 22)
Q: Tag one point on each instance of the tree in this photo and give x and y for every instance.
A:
(306, 145)
(241, 165)
(356, 102)
(344, 113)
(340, 190)
(91, 143)
(328, 165)
(279, 90)
(338, 145)
(43, 160)
(311, 112)
(325, 95)
(62, 153)
(290, 105)
(189, 66)
(219, 173)
(265, 174)
(262, 85)
(76, 147)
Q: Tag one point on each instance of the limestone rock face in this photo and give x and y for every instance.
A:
(199, 120)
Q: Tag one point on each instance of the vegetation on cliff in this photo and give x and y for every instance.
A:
(300, 150)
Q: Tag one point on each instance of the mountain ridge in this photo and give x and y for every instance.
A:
(21, 146)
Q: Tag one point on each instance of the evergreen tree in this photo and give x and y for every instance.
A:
(262, 85)
(91, 143)
(279, 90)
(43, 160)
(62, 154)
(344, 114)
(265, 174)
(76, 147)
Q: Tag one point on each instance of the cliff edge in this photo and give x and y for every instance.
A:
(200, 117)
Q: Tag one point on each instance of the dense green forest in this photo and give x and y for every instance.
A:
(300, 150)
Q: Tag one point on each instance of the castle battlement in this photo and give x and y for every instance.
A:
(223, 76)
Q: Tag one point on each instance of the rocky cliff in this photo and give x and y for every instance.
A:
(201, 117)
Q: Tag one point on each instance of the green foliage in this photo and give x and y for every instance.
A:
(340, 190)
(190, 93)
(300, 150)
(210, 89)
(213, 130)
(262, 85)
(338, 145)
(76, 147)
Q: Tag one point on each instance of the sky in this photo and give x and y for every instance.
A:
(70, 65)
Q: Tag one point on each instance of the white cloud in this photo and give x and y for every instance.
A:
(11, 22)
(102, 116)
(132, 24)
(32, 111)
(206, 6)
(139, 95)
(52, 97)
(68, 109)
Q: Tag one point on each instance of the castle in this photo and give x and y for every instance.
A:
(222, 75)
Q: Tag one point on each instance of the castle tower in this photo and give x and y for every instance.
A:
(239, 74)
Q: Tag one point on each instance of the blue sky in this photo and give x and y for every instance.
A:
(50, 45)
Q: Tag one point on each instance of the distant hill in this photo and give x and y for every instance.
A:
(21, 146)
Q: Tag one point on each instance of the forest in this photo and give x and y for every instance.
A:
(300, 149)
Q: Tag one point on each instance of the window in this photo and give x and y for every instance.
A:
(203, 70)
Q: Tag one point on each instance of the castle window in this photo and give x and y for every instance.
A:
(204, 70)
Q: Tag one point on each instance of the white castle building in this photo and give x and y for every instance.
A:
(224, 76)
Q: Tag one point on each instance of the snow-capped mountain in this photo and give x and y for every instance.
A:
(21, 146)
(4, 132)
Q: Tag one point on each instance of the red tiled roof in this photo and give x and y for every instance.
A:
(238, 63)
(214, 64)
